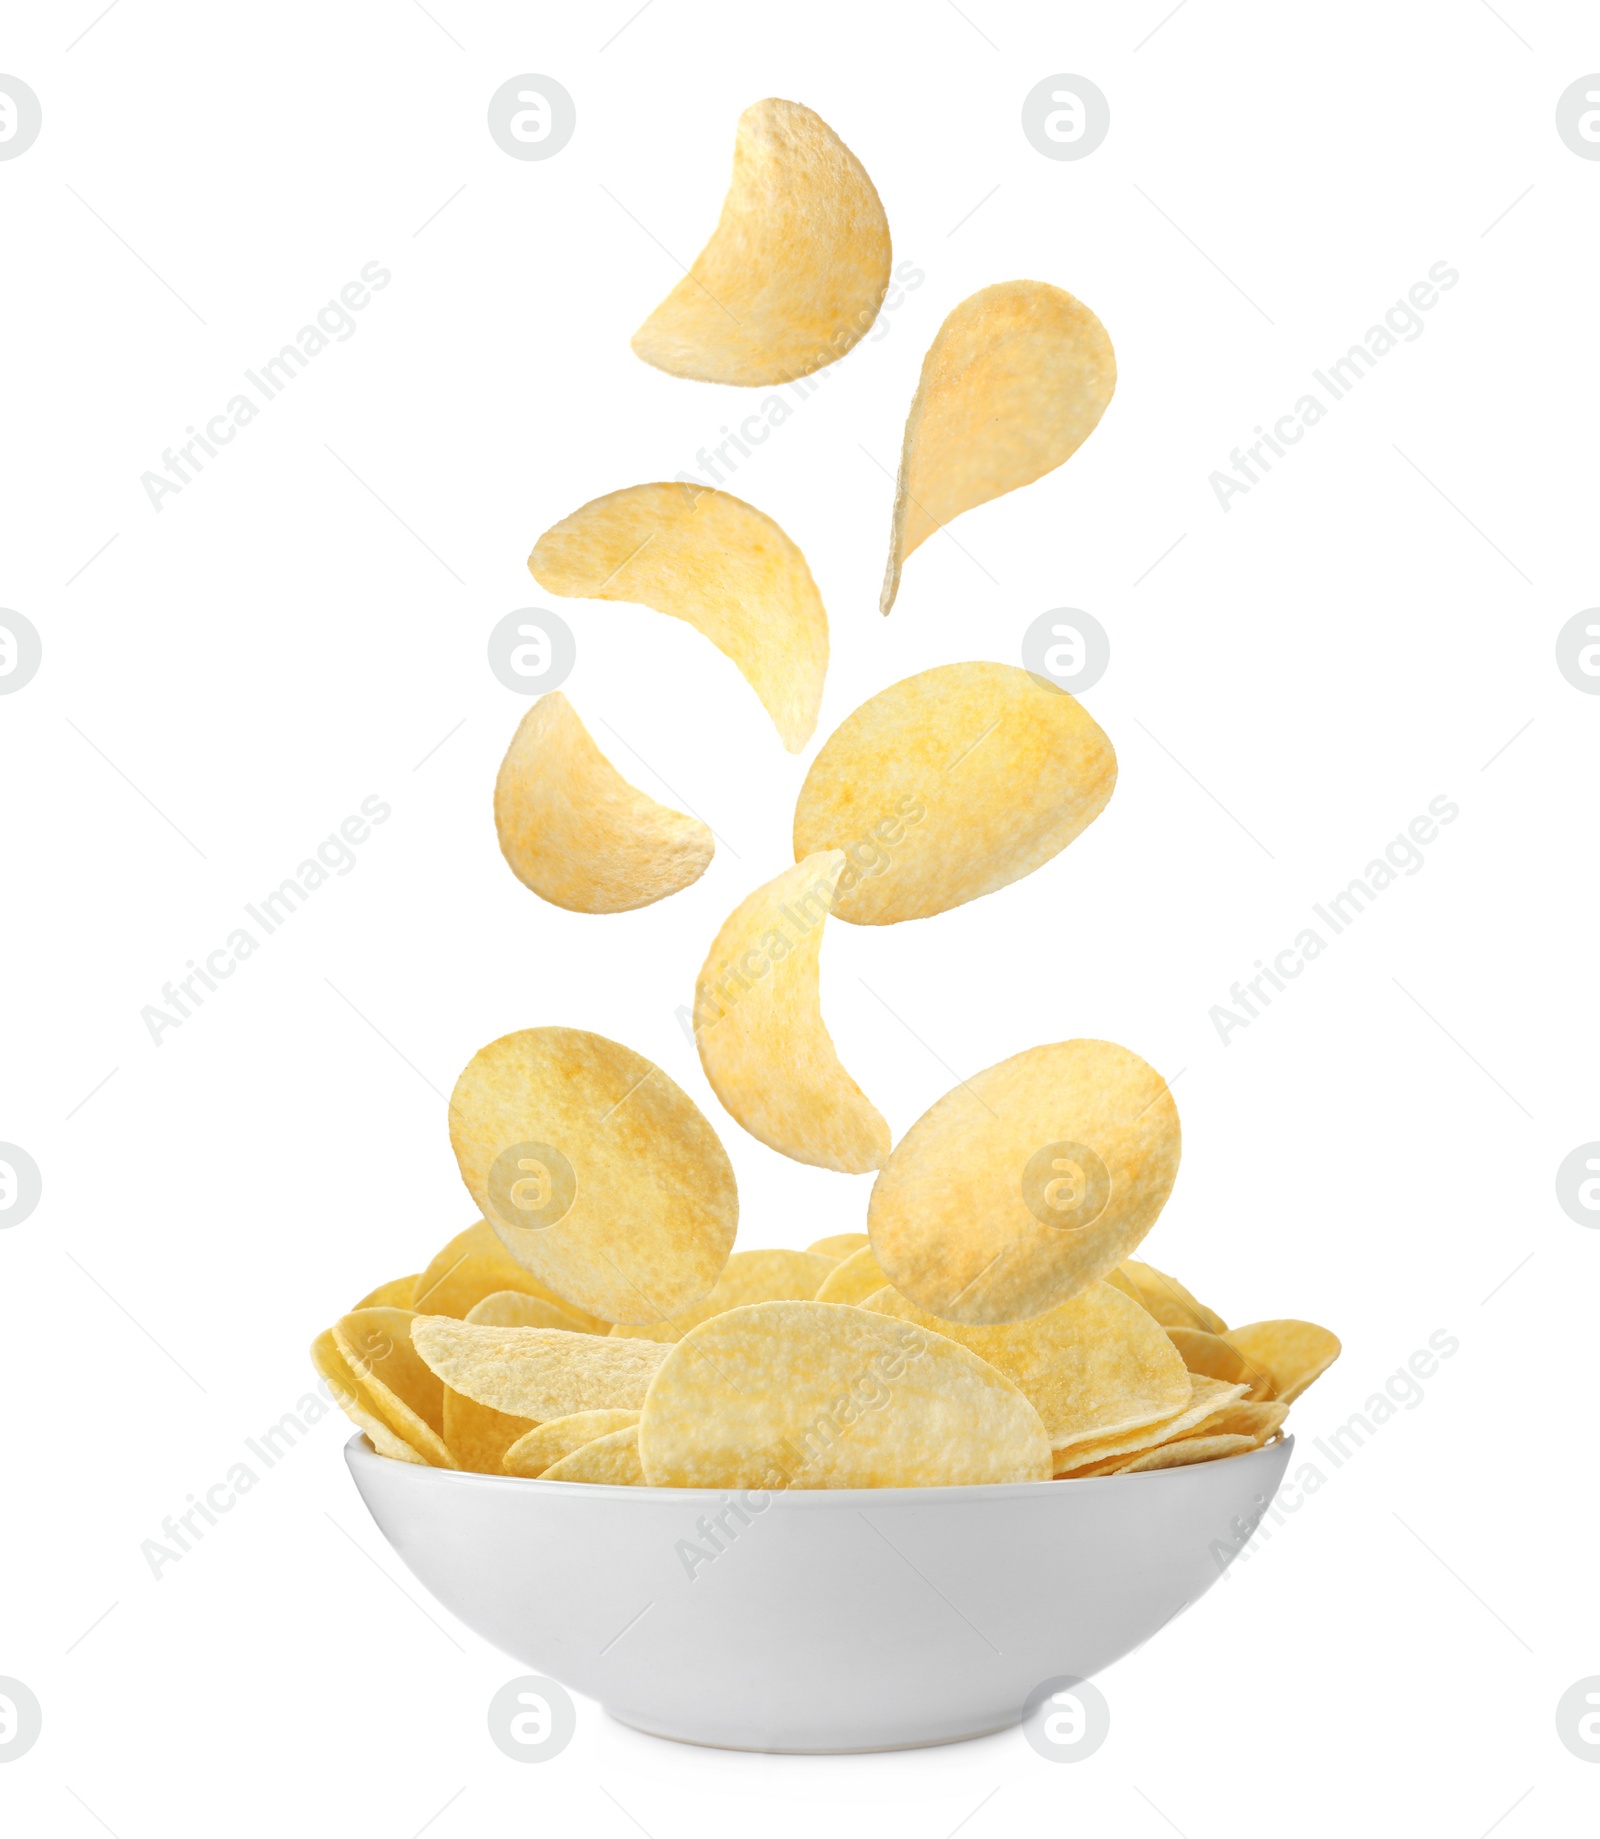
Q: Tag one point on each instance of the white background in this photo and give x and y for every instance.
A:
(305, 625)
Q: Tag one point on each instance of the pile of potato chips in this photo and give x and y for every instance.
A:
(596, 1324)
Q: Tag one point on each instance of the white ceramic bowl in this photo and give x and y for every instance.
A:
(837, 1619)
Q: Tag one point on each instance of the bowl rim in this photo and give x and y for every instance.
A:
(358, 1451)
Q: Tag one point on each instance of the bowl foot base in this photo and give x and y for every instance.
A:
(652, 1727)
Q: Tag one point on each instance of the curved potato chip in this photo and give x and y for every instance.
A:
(951, 784)
(767, 1276)
(1014, 383)
(478, 1435)
(858, 1277)
(795, 270)
(1209, 1397)
(395, 1294)
(1244, 1418)
(715, 562)
(758, 1025)
(537, 1373)
(517, 1309)
(816, 1395)
(1211, 1355)
(1292, 1354)
(610, 1461)
(839, 1244)
(1026, 1183)
(1166, 1299)
(531, 1455)
(377, 1347)
(575, 831)
(596, 1170)
(1175, 1455)
(1091, 1367)
(473, 1265)
(353, 1401)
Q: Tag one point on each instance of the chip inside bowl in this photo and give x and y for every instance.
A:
(376, 1345)
(474, 1264)
(949, 785)
(854, 1279)
(715, 562)
(758, 1025)
(1166, 1299)
(352, 1399)
(762, 1276)
(796, 269)
(1292, 1354)
(608, 1461)
(1026, 1183)
(839, 1244)
(1014, 383)
(545, 1445)
(537, 1373)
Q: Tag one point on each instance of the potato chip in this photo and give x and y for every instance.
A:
(1091, 1367)
(537, 1373)
(352, 1400)
(839, 1244)
(516, 1309)
(478, 1436)
(819, 1395)
(1208, 1398)
(1244, 1418)
(611, 1461)
(598, 1173)
(1174, 1455)
(395, 1294)
(758, 1025)
(474, 1265)
(1014, 383)
(1164, 1297)
(1292, 1354)
(377, 1347)
(717, 563)
(748, 1277)
(532, 1454)
(1026, 1183)
(794, 272)
(1210, 1354)
(949, 785)
(576, 832)
(854, 1280)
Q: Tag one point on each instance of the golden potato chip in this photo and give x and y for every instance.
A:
(1209, 1397)
(517, 1309)
(758, 1025)
(1292, 1354)
(395, 1294)
(478, 1436)
(1094, 1366)
(575, 831)
(839, 1244)
(1210, 1354)
(1165, 1298)
(820, 1395)
(795, 270)
(717, 563)
(474, 1265)
(532, 1454)
(537, 1373)
(611, 1461)
(1014, 383)
(598, 1173)
(352, 1400)
(748, 1277)
(1026, 1183)
(1245, 1419)
(854, 1280)
(949, 785)
(1176, 1455)
(377, 1347)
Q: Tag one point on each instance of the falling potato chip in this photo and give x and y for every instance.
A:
(611, 1461)
(537, 1373)
(1292, 1354)
(748, 1277)
(758, 1025)
(1209, 1397)
(395, 1294)
(714, 561)
(796, 269)
(1014, 383)
(532, 1454)
(1210, 1354)
(478, 1436)
(1166, 1299)
(1175, 1455)
(949, 785)
(839, 1244)
(576, 832)
(473, 1265)
(1026, 1183)
(854, 1280)
(376, 1344)
(598, 1173)
(1092, 1367)
(820, 1395)
(353, 1401)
